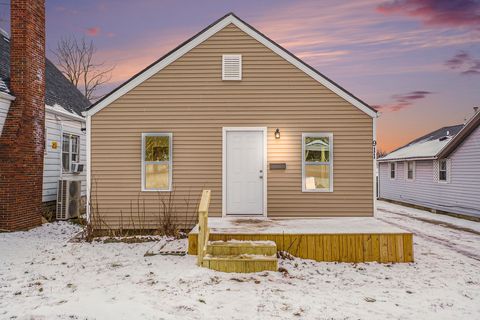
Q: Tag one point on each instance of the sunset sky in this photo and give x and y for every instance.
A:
(417, 61)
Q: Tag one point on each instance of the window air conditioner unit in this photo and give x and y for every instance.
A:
(77, 167)
(68, 199)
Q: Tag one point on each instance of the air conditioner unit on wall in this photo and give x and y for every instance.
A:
(77, 168)
(68, 199)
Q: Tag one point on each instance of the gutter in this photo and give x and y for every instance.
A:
(407, 159)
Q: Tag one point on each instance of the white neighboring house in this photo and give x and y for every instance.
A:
(440, 170)
(65, 137)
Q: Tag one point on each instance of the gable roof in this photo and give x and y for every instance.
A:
(467, 129)
(58, 90)
(206, 33)
(437, 144)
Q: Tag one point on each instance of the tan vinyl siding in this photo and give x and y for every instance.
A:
(189, 99)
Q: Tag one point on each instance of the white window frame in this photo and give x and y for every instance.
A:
(413, 170)
(394, 170)
(440, 169)
(70, 150)
(169, 162)
(328, 135)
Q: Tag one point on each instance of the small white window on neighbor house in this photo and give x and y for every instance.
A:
(232, 67)
(70, 151)
(442, 170)
(393, 167)
(410, 170)
(317, 162)
(156, 162)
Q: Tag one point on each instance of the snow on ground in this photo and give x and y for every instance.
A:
(43, 276)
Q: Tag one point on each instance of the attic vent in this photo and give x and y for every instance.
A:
(232, 67)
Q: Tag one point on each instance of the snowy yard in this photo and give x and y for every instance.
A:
(43, 276)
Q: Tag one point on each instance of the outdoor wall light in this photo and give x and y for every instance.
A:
(277, 133)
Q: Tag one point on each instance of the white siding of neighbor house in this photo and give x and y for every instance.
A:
(52, 162)
(461, 195)
(4, 106)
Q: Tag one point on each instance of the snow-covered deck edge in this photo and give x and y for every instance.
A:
(336, 225)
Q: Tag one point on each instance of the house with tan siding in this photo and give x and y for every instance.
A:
(439, 171)
(231, 111)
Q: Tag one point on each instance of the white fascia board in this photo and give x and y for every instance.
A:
(406, 159)
(6, 96)
(62, 112)
(207, 34)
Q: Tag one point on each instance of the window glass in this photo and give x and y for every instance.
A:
(442, 173)
(410, 170)
(157, 161)
(317, 149)
(157, 148)
(317, 177)
(392, 170)
(317, 156)
(156, 176)
(70, 151)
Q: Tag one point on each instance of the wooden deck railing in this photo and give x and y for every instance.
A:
(203, 231)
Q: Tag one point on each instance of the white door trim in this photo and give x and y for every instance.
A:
(224, 165)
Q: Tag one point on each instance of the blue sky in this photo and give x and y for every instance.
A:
(418, 61)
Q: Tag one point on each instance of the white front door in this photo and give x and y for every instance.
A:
(244, 160)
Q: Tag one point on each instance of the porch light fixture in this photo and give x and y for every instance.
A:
(277, 133)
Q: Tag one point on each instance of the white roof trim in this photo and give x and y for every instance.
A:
(60, 111)
(6, 96)
(230, 19)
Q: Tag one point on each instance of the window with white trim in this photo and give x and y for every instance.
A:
(442, 170)
(410, 170)
(393, 168)
(317, 162)
(156, 161)
(70, 151)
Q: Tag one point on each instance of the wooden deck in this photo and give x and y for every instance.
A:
(323, 239)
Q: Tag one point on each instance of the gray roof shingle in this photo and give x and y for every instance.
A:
(58, 90)
(426, 146)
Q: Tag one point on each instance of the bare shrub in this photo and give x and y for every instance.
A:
(162, 221)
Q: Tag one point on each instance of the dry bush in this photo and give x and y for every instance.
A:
(163, 221)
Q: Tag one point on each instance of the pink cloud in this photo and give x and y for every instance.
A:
(436, 12)
(93, 31)
(402, 101)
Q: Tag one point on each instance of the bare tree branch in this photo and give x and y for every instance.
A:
(76, 60)
(381, 153)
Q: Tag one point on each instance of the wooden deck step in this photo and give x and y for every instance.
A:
(243, 263)
(235, 247)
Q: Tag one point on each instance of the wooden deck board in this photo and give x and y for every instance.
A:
(382, 248)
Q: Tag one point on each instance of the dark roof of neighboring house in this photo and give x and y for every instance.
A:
(436, 144)
(437, 134)
(203, 31)
(58, 90)
(467, 129)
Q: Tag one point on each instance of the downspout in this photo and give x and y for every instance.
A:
(89, 179)
(61, 145)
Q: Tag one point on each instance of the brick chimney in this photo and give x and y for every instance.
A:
(22, 141)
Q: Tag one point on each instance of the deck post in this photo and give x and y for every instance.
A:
(203, 231)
